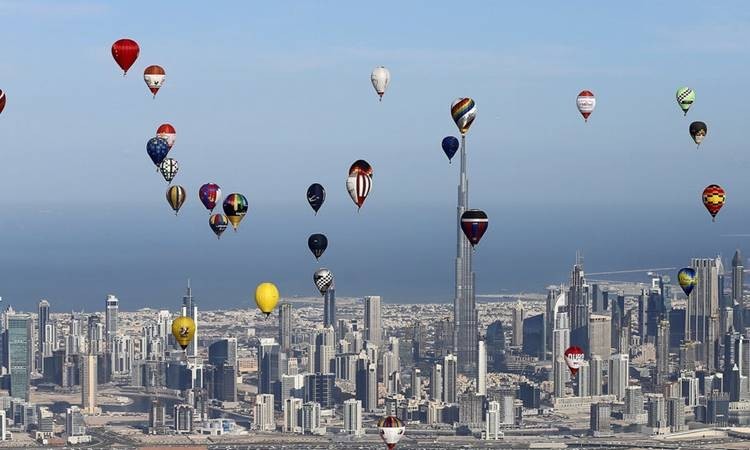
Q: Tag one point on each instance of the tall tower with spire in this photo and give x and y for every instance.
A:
(464, 304)
(738, 278)
(190, 309)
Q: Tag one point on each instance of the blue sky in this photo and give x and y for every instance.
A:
(268, 98)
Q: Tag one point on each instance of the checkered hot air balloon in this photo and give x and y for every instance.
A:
(323, 279)
(586, 102)
(169, 168)
(474, 223)
(713, 199)
(685, 98)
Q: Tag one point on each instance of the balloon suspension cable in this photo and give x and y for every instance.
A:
(713, 219)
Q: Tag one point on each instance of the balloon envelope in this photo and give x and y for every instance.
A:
(474, 223)
(167, 132)
(125, 52)
(450, 146)
(218, 223)
(317, 243)
(316, 195)
(687, 279)
(574, 358)
(154, 76)
(713, 199)
(2, 100)
(157, 149)
(463, 111)
(183, 329)
(360, 166)
(235, 207)
(266, 297)
(391, 430)
(381, 78)
(169, 168)
(586, 102)
(176, 197)
(698, 131)
(209, 194)
(685, 98)
(359, 188)
(323, 279)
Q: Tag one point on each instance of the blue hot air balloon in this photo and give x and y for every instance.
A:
(450, 146)
(157, 149)
(687, 279)
(316, 195)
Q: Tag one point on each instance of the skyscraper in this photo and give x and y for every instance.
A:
(450, 375)
(492, 422)
(619, 365)
(738, 278)
(578, 305)
(329, 307)
(292, 410)
(373, 330)
(464, 304)
(367, 383)
(560, 342)
(600, 333)
(481, 368)
(703, 307)
(600, 423)
(183, 418)
(263, 412)
(17, 345)
(110, 320)
(88, 383)
(190, 309)
(223, 351)
(353, 417)
(43, 347)
(517, 336)
(436, 383)
(676, 414)
(285, 326)
(596, 378)
(416, 383)
(662, 353)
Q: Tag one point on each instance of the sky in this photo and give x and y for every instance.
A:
(269, 97)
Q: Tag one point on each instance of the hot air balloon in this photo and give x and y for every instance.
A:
(586, 103)
(685, 98)
(176, 197)
(359, 188)
(323, 279)
(157, 149)
(698, 131)
(209, 194)
(235, 207)
(154, 77)
(360, 166)
(218, 223)
(474, 223)
(167, 132)
(266, 297)
(316, 195)
(450, 146)
(2, 100)
(169, 168)
(686, 278)
(380, 78)
(125, 52)
(183, 329)
(391, 430)
(463, 111)
(713, 199)
(317, 243)
(574, 357)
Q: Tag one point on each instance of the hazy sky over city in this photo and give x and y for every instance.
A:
(268, 98)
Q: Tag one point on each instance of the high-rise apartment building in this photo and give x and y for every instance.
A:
(738, 278)
(481, 381)
(353, 417)
(450, 375)
(89, 383)
(110, 319)
(436, 383)
(285, 327)
(517, 336)
(329, 307)
(619, 365)
(373, 328)
(263, 413)
(703, 308)
(17, 343)
(190, 309)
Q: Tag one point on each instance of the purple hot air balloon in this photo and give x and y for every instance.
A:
(209, 195)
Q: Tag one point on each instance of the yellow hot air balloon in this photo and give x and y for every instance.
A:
(266, 297)
(183, 329)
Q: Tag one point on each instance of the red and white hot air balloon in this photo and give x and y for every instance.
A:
(154, 77)
(586, 103)
(574, 358)
(125, 52)
(167, 132)
(358, 185)
(2, 100)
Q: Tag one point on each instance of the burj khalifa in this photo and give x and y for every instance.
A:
(465, 339)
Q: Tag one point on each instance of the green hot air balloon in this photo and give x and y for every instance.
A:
(685, 98)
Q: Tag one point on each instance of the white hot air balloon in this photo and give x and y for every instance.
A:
(391, 431)
(380, 78)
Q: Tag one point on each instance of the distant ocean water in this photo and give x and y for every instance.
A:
(75, 256)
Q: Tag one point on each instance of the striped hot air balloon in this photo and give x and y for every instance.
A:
(359, 186)
(176, 197)
(2, 100)
(586, 102)
(463, 111)
(474, 223)
(713, 199)
(154, 76)
(391, 430)
(218, 223)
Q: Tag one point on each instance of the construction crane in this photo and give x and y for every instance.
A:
(658, 269)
